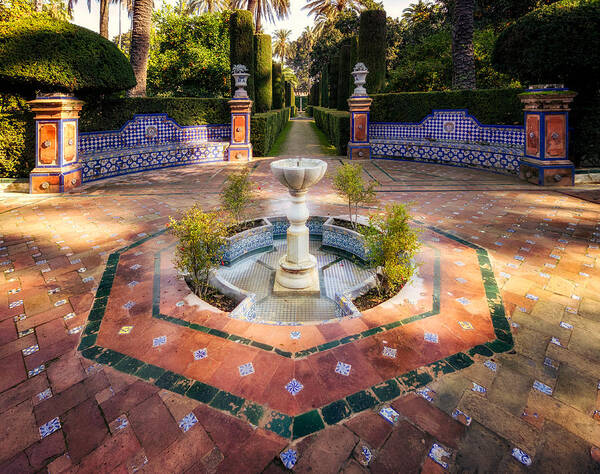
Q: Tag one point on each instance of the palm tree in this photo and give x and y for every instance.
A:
(417, 11)
(140, 44)
(463, 59)
(269, 9)
(331, 8)
(281, 45)
(201, 6)
(103, 13)
(129, 7)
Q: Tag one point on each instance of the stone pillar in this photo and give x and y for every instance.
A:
(240, 148)
(359, 147)
(546, 161)
(57, 167)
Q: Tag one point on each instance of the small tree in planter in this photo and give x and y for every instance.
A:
(201, 242)
(237, 194)
(349, 184)
(391, 245)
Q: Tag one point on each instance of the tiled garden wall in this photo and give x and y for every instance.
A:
(450, 137)
(149, 142)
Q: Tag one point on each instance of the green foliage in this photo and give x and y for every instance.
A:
(200, 248)
(327, 44)
(344, 76)
(498, 106)
(189, 55)
(333, 75)
(14, 9)
(112, 114)
(288, 94)
(237, 194)
(324, 83)
(17, 137)
(350, 185)
(241, 44)
(391, 245)
(278, 87)
(336, 126)
(263, 72)
(265, 128)
(38, 52)
(556, 43)
(372, 44)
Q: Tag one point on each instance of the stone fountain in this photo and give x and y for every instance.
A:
(297, 271)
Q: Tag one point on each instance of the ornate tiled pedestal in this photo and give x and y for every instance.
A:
(546, 161)
(57, 167)
(240, 148)
(359, 147)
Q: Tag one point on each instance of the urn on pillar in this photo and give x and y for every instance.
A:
(57, 167)
(546, 161)
(240, 148)
(359, 105)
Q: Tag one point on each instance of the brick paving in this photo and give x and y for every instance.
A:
(540, 397)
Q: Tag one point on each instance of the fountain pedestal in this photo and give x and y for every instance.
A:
(297, 271)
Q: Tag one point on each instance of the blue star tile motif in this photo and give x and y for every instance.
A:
(295, 335)
(542, 387)
(129, 305)
(366, 455)
(200, 354)
(478, 388)
(187, 422)
(521, 456)
(30, 350)
(438, 453)
(491, 365)
(38, 370)
(294, 387)
(289, 458)
(342, 368)
(246, 369)
(431, 337)
(50, 427)
(462, 300)
(159, 341)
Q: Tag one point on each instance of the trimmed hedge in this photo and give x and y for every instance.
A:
(278, 87)
(336, 126)
(343, 88)
(333, 82)
(265, 128)
(309, 110)
(241, 45)
(372, 47)
(263, 72)
(492, 106)
(324, 84)
(288, 94)
(315, 94)
(17, 144)
(41, 53)
(112, 114)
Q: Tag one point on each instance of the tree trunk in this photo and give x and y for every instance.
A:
(258, 22)
(140, 44)
(463, 74)
(104, 18)
(120, 30)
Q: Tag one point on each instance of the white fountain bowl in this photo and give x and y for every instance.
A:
(299, 174)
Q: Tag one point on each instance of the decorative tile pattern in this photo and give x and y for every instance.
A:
(30, 350)
(295, 335)
(431, 337)
(289, 458)
(187, 422)
(342, 368)
(246, 369)
(159, 341)
(521, 456)
(50, 427)
(200, 354)
(125, 330)
(389, 352)
(37, 370)
(390, 415)
(294, 387)
(45, 395)
(438, 453)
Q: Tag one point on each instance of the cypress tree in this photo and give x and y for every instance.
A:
(353, 60)
(343, 75)
(372, 44)
(241, 45)
(263, 67)
(333, 81)
(325, 87)
(278, 86)
(288, 94)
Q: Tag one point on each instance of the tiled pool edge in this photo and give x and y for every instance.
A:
(314, 420)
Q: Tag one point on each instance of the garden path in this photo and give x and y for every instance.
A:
(302, 139)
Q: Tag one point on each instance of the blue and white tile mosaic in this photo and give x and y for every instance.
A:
(246, 369)
(50, 427)
(289, 458)
(187, 422)
(342, 368)
(294, 387)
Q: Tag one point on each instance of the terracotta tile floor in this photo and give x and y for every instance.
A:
(499, 355)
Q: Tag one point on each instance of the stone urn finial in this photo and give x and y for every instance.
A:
(240, 74)
(360, 72)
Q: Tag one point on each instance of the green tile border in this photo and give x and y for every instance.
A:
(314, 420)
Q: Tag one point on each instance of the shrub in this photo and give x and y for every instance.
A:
(237, 194)
(189, 55)
(309, 110)
(241, 45)
(288, 94)
(263, 73)
(278, 87)
(17, 144)
(39, 52)
(555, 43)
(336, 126)
(497, 106)
(200, 249)
(265, 128)
(325, 87)
(372, 47)
(349, 184)
(391, 245)
(112, 114)
(344, 76)
(333, 81)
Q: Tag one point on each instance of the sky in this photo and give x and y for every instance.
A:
(296, 22)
